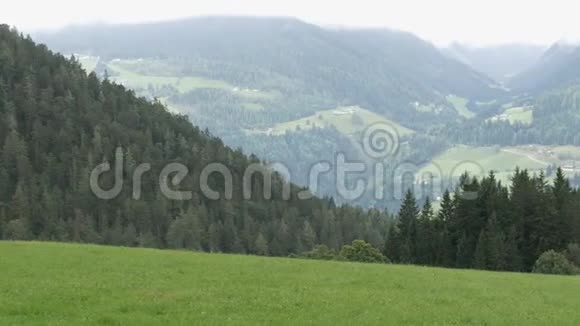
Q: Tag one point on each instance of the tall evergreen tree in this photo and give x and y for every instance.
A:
(407, 225)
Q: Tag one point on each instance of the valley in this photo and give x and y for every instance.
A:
(271, 123)
(272, 163)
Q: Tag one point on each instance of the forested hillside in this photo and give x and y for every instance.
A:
(554, 121)
(286, 90)
(57, 124)
(558, 67)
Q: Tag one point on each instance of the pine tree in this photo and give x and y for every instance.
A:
(308, 236)
(564, 209)
(230, 240)
(130, 236)
(215, 237)
(512, 256)
(489, 252)
(427, 239)
(261, 245)
(117, 232)
(4, 182)
(21, 209)
(464, 255)
(392, 248)
(407, 225)
(480, 257)
(446, 251)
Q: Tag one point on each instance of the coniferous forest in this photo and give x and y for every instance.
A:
(490, 226)
(57, 123)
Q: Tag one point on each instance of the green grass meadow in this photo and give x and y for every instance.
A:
(67, 284)
(347, 120)
(460, 105)
(522, 114)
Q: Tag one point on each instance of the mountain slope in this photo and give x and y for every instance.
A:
(559, 66)
(242, 76)
(380, 69)
(499, 62)
(57, 125)
(552, 119)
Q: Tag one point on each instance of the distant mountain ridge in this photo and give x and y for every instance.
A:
(558, 67)
(383, 70)
(500, 62)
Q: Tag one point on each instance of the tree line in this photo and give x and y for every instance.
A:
(487, 225)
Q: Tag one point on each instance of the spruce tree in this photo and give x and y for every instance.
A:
(407, 225)
(261, 245)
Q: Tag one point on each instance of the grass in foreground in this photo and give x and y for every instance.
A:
(64, 284)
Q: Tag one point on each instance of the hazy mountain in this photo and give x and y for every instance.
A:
(499, 62)
(383, 70)
(559, 66)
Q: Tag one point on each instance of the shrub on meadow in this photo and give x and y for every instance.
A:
(360, 251)
(552, 262)
(321, 252)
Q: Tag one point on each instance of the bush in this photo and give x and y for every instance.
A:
(573, 254)
(16, 230)
(361, 251)
(555, 263)
(321, 252)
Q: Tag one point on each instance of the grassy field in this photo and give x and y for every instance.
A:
(480, 161)
(182, 84)
(490, 158)
(140, 73)
(347, 120)
(503, 160)
(429, 108)
(460, 105)
(522, 114)
(567, 152)
(89, 63)
(64, 284)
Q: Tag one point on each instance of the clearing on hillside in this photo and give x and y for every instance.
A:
(347, 120)
(521, 114)
(460, 105)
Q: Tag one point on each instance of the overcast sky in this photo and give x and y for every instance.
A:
(478, 22)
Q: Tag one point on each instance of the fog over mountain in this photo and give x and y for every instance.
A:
(499, 62)
(558, 66)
